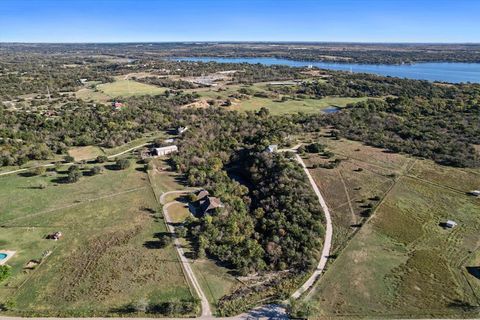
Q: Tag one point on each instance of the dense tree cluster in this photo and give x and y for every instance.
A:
(436, 129)
(168, 83)
(32, 136)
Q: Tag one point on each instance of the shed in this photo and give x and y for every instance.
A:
(475, 193)
(272, 148)
(164, 150)
(181, 130)
(450, 224)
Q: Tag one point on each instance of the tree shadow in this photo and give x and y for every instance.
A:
(27, 174)
(464, 305)
(474, 271)
(61, 180)
(112, 167)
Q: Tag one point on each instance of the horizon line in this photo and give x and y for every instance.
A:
(236, 41)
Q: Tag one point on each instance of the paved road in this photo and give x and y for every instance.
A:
(327, 244)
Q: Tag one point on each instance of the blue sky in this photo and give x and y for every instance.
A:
(239, 20)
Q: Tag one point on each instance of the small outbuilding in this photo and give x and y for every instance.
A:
(475, 193)
(450, 224)
(55, 236)
(181, 130)
(162, 151)
(272, 148)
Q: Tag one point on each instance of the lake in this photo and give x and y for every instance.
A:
(431, 71)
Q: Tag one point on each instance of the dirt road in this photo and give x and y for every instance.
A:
(327, 244)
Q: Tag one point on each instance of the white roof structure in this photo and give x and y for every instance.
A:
(165, 150)
(450, 224)
(272, 148)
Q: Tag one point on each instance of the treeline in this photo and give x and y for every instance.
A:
(438, 129)
(168, 83)
(337, 52)
(31, 136)
(369, 85)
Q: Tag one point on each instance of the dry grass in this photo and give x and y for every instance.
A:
(109, 255)
(85, 153)
(401, 262)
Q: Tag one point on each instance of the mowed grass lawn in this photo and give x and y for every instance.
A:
(402, 262)
(273, 105)
(119, 88)
(85, 153)
(126, 88)
(108, 257)
(293, 106)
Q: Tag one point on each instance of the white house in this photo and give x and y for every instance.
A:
(450, 224)
(157, 152)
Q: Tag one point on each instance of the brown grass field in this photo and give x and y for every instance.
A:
(401, 262)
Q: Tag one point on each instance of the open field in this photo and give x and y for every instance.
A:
(85, 153)
(356, 185)
(108, 257)
(401, 262)
(293, 106)
(119, 88)
(273, 104)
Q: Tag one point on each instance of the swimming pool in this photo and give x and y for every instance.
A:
(3, 255)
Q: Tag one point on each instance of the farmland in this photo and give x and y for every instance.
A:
(109, 223)
(119, 88)
(400, 261)
(275, 105)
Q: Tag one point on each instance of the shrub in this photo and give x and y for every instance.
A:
(102, 159)
(5, 272)
(96, 170)
(74, 174)
(39, 171)
(122, 164)
(69, 159)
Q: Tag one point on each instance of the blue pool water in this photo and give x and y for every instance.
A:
(3, 256)
(431, 71)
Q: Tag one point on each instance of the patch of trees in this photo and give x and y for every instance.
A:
(28, 136)
(5, 272)
(168, 83)
(444, 130)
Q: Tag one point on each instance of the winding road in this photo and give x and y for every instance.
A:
(264, 312)
(327, 244)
